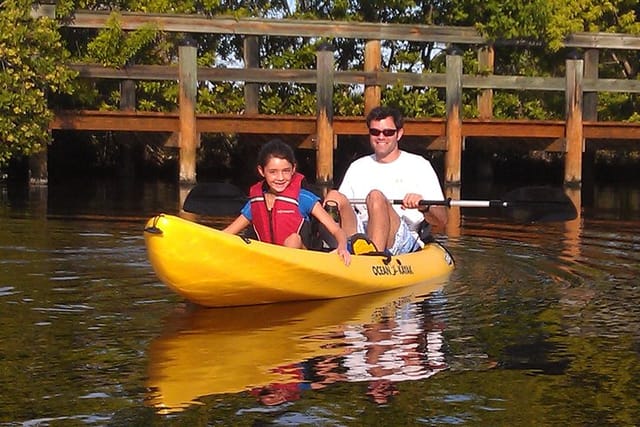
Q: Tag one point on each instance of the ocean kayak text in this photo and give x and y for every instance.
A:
(391, 270)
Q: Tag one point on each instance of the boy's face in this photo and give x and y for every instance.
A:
(277, 173)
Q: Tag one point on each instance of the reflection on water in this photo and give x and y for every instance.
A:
(279, 350)
(537, 322)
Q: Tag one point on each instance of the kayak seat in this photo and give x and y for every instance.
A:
(424, 232)
(359, 244)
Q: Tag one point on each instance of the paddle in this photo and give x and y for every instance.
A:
(215, 199)
(526, 204)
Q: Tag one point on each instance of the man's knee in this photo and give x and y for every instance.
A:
(376, 198)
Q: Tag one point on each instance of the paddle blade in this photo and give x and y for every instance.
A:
(539, 204)
(215, 199)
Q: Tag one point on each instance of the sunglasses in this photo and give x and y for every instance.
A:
(385, 132)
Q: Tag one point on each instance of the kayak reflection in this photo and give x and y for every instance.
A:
(277, 351)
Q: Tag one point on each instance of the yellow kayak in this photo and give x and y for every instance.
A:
(217, 269)
(203, 352)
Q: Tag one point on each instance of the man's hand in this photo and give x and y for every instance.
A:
(412, 201)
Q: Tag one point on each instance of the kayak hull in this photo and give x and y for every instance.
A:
(217, 269)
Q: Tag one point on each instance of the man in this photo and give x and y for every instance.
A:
(389, 173)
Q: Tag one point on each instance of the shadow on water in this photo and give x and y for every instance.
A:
(537, 322)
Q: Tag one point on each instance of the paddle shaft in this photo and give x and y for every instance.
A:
(526, 204)
(449, 203)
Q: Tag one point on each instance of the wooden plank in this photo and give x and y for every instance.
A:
(373, 78)
(135, 72)
(513, 128)
(602, 41)
(344, 125)
(257, 124)
(115, 121)
(420, 127)
(612, 85)
(279, 27)
(257, 75)
(513, 82)
(191, 23)
(612, 130)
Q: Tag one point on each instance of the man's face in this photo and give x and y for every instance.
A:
(384, 146)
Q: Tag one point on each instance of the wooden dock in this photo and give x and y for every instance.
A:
(579, 132)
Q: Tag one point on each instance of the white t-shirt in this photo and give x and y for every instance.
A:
(409, 173)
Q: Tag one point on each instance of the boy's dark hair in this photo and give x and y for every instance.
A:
(380, 113)
(276, 148)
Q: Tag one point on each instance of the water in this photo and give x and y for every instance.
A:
(538, 325)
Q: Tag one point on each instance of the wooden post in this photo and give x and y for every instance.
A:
(591, 61)
(453, 155)
(571, 241)
(454, 215)
(573, 130)
(251, 60)
(590, 113)
(39, 167)
(324, 118)
(372, 63)
(127, 103)
(43, 8)
(188, 82)
(128, 95)
(38, 163)
(486, 58)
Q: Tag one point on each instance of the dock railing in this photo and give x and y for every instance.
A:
(573, 135)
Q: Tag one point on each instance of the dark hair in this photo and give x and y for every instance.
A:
(276, 148)
(380, 113)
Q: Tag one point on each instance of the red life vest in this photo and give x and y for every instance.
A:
(284, 218)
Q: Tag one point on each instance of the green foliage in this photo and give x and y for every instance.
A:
(223, 97)
(31, 66)
(116, 48)
(535, 106)
(414, 102)
(618, 106)
(504, 19)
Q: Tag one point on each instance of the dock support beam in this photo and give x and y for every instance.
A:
(589, 113)
(574, 130)
(124, 139)
(372, 64)
(486, 59)
(453, 155)
(38, 163)
(188, 81)
(324, 118)
(251, 54)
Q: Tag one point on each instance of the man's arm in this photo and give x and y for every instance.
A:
(435, 215)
